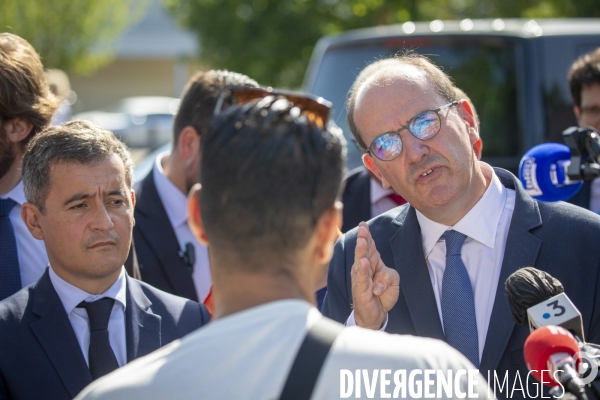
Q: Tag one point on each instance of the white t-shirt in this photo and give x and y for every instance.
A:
(248, 355)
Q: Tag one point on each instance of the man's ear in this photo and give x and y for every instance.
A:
(466, 112)
(370, 165)
(17, 129)
(189, 143)
(32, 217)
(328, 231)
(577, 112)
(195, 216)
(133, 199)
(478, 148)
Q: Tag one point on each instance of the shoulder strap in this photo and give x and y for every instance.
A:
(310, 358)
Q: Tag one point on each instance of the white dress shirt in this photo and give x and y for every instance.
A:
(380, 202)
(71, 296)
(31, 252)
(486, 226)
(175, 204)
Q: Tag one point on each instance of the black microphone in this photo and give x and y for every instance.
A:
(533, 295)
(537, 299)
(189, 255)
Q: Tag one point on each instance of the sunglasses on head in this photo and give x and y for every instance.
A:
(423, 126)
(315, 109)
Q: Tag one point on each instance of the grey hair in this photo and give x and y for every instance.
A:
(77, 141)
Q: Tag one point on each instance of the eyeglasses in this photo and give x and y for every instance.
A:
(423, 126)
(315, 109)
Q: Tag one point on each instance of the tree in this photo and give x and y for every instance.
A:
(272, 40)
(72, 35)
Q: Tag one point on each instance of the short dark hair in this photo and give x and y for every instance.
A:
(75, 141)
(200, 97)
(585, 71)
(440, 81)
(24, 92)
(267, 175)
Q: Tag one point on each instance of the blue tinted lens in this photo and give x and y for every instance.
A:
(425, 125)
(387, 146)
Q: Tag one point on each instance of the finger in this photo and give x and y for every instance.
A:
(362, 281)
(360, 251)
(383, 279)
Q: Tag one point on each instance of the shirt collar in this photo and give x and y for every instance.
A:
(71, 296)
(480, 223)
(377, 191)
(17, 194)
(173, 199)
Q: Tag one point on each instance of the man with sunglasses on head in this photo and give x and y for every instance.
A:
(270, 216)
(436, 267)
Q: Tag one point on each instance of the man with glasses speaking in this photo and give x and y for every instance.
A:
(436, 267)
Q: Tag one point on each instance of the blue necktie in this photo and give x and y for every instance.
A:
(458, 305)
(10, 276)
(101, 357)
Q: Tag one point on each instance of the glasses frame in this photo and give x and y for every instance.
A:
(407, 127)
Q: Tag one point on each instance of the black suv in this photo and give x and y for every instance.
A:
(514, 71)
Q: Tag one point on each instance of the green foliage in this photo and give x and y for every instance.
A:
(73, 35)
(271, 40)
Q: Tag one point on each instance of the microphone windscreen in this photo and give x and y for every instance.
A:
(543, 343)
(527, 287)
(539, 171)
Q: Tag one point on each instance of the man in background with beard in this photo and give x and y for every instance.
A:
(26, 105)
(170, 258)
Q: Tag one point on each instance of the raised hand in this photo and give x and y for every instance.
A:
(375, 287)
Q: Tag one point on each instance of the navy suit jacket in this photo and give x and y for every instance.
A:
(40, 357)
(559, 238)
(356, 198)
(156, 245)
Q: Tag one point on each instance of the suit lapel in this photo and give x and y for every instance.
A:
(521, 250)
(55, 334)
(142, 328)
(415, 282)
(153, 223)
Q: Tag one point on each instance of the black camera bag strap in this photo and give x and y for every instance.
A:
(303, 376)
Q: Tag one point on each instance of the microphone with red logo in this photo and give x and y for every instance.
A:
(551, 348)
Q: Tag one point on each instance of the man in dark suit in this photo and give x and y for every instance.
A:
(437, 267)
(584, 82)
(169, 256)
(26, 106)
(84, 317)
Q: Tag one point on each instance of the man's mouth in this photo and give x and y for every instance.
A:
(427, 172)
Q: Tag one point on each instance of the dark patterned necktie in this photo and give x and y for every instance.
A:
(101, 357)
(10, 276)
(458, 304)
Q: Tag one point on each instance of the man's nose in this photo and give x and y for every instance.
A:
(414, 149)
(101, 219)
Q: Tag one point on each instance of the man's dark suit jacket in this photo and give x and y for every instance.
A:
(356, 198)
(40, 357)
(156, 245)
(559, 238)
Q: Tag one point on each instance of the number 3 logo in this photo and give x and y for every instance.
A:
(555, 306)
